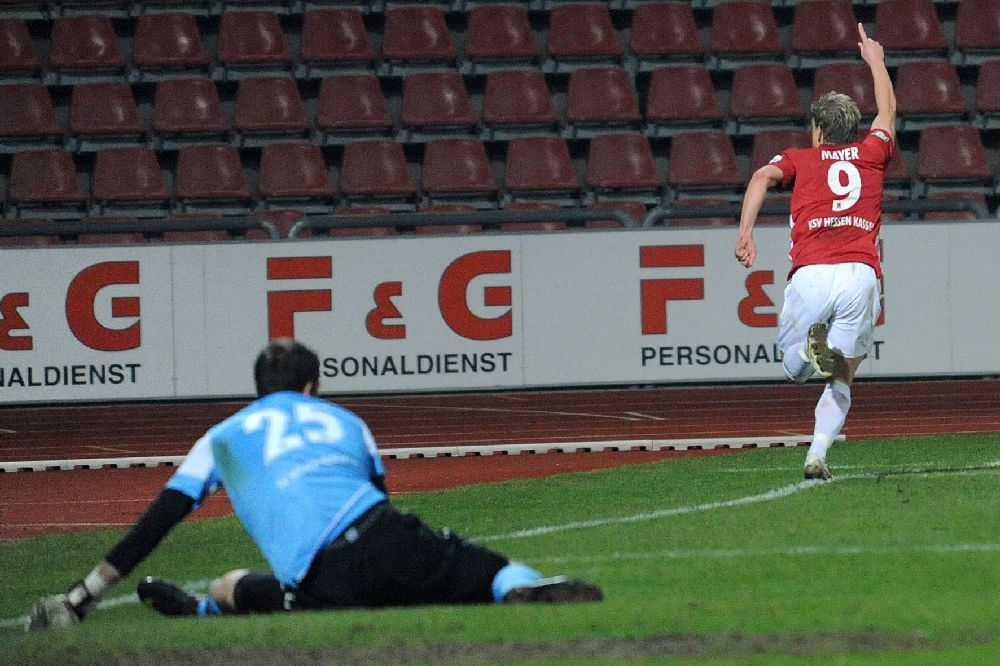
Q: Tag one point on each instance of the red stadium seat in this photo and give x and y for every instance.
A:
(435, 101)
(823, 31)
(367, 231)
(950, 156)
(977, 30)
(269, 107)
(499, 35)
(601, 98)
(744, 31)
(703, 160)
(623, 163)
(251, 41)
(533, 226)
(17, 52)
(776, 199)
(909, 29)
(854, 79)
(988, 94)
(634, 209)
(582, 34)
(695, 220)
(897, 173)
(46, 182)
(453, 228)
(334, 38)
(168, 42)
(959, 213)
(416, 36)
(295, 174)
(458, 167)
(111, 237)
(663, 31)
(100, 112)
(681, 98)
(929, 92)
(764, 95)
(187, 109)
(377, 169)
(540, 165)
(35, 240)
(517, 100)
(27, 113)
(769, 143)
(84, 46)
(129, 179)
(211, 177)
(351, 105)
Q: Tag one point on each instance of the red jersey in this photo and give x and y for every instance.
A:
(836, 200)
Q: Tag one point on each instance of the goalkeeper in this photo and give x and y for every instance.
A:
(306, 480)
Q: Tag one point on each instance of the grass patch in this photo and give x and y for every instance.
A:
(729, 559)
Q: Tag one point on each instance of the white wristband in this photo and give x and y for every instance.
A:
(95, 583)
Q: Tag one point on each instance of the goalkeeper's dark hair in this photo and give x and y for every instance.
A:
(838, 116)
(285, 365)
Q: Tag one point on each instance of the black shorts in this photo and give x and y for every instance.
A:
(392, 558)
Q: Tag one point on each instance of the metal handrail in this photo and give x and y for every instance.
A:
(327, 222)
(888, 206)
(155, 226)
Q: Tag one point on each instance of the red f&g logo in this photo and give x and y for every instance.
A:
(282, 305)
(656, 293)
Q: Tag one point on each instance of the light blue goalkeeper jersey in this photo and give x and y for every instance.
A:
(297, 470)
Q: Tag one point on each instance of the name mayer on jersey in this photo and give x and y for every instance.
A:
(849, 153)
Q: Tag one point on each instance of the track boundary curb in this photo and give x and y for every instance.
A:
(429, 452)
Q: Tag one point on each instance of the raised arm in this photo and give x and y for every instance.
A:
(885, 98)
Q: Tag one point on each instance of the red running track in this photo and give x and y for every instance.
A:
(40, 502)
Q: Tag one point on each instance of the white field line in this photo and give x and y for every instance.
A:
(793, 551)
(767, 496)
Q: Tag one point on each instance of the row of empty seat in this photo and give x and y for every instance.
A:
(214, 177)
(599, 98)
(152, 109)
(493, 34)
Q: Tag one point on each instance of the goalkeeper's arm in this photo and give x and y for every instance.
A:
(168, 509)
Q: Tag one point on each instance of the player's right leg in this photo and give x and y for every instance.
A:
(807, 302)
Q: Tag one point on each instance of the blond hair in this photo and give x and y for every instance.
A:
(838, 116)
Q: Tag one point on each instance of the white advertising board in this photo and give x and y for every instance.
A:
(465, 312)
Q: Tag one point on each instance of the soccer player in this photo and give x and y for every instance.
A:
(306, 480)
(832, 298)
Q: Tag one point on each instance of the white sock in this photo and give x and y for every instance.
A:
(795, 363)
(831, 412)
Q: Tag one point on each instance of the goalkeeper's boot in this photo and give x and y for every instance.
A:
(166, 597)
(822, 358)
(558, 589)
(817, 469)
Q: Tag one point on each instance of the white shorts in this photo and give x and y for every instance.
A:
(844, 296)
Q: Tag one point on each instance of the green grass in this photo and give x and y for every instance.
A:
(720, 560)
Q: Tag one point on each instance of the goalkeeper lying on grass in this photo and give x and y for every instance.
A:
(306, 480)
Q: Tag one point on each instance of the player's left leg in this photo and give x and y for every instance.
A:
(850, 336)
(238, 591)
